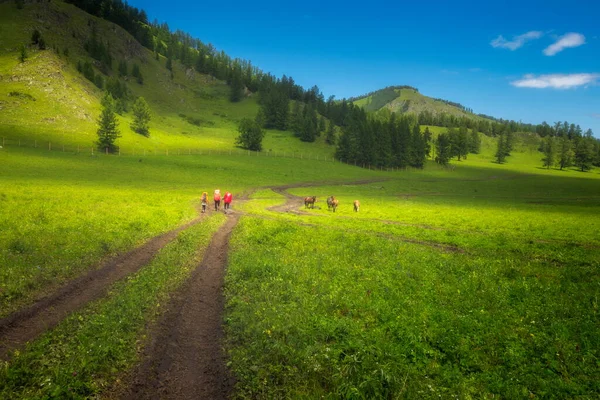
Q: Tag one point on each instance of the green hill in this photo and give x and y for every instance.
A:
(409, 100)
(47, 100)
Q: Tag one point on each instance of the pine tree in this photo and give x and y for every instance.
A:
(444, 149)
(322, 125)
(463, 142)
(137, 74)
(419, 148)
(251, 135)
(550, 151)
(584, 154)
(501, 152)
(296, 119)
(236, 86)
(260, 118)
(474, 142)
(23, 55)
(330, 135)
(141, 117)
(309, 124)
(566, 153)
(108, 129)
(427, 136)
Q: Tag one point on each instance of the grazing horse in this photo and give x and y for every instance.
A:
(334, 204)
(330, 200)
(356, 205)
(310, 201)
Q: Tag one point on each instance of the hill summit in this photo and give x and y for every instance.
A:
(408, 99)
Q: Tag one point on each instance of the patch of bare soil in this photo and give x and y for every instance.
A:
(28, 323)
(184, 359)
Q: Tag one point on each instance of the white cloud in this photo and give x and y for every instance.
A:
(596, 115)
(567, 40)
(517, 41)
(556, 81)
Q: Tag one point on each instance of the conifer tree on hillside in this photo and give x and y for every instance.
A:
(275, 105)
(419, 148)
(565, 153)
(322, 125)
(584, 153)
(236, 86)
(296, 119)
(309, 124)
(330, 135)
(444, 149)
(141, 117)
(108, 129)
(137, 74)
(428, 138)
(501, 149)
(23, 56)
(474, 142)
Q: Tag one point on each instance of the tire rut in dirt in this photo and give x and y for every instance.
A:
(30, 322)
(184, 359)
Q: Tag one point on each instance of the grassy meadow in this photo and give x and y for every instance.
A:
(63, 213)
(480, 282)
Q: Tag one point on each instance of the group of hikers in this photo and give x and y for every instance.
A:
(217, 200)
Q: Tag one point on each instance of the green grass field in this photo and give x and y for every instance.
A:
(475, 281)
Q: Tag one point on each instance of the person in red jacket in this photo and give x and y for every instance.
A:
(227, 200)
(217, 199)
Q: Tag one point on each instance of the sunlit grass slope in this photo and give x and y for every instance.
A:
(46, 100)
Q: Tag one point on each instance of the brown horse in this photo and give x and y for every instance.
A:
(310, 201)
(334, 204)
(330, 200)
(356, 205)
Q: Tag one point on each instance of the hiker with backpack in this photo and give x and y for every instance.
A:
(217, 199)
(227, 200)
(204, 201)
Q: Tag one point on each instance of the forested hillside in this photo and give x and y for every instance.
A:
(58, 61)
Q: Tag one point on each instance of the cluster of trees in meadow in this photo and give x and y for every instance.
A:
(108, 126)
(395, 142)
(456, 142)
(565, 146)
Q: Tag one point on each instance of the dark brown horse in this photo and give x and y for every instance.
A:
(310, 201)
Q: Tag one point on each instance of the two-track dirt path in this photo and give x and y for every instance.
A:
(28, 323)
(184, 359)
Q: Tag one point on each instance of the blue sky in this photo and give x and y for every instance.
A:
(524, 60)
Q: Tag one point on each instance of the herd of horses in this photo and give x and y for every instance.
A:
(332, 203)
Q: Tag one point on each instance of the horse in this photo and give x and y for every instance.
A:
(356, 205)
(330, 202)
(310, 201)
(334, 204)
